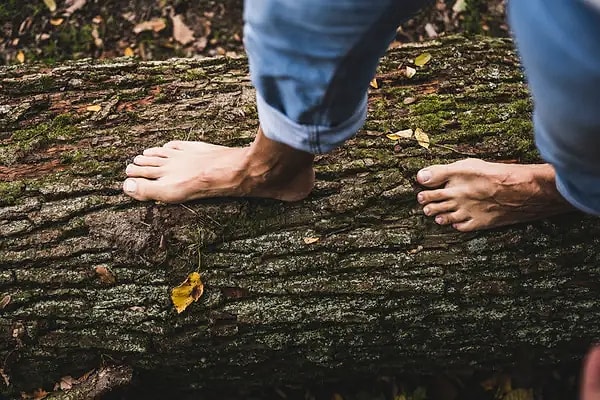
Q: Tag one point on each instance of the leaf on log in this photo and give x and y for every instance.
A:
(186, 293)
(410, 72)
(422, 59)
(422, 138)
(403, 134)
(311, 240)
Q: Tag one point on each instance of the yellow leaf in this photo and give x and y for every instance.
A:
(405, 134)
(56, 21)
(51, 4)
(422, 138)
(311, 240)
(337, 396)
(374, 84)
(186, 293)
(128, 52)
(21, 57)
(422, 59)
(410, 72)
(94, 108)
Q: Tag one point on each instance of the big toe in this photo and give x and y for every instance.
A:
(433, 176)
(145, 189)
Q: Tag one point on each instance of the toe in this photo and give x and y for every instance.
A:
(145, 161)
(465, 226)
(456, 217)
(145, 189)
(437, 208)
(159, 152)
(427, 196)
(433, 176)
(137, 171)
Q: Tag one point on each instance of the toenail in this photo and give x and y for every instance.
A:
(420, 198)
(439, 220)
(130, 186)
(427, 210)
(423, 176)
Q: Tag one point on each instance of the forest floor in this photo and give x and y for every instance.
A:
(49, 31)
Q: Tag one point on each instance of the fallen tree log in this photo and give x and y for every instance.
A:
(86, 272)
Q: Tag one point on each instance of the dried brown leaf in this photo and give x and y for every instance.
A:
(156, 25)
(105, 275)
(181, 32)
(374, 84)
(5, 301)
(73, 5)
(410, 72)
(56, 21)
(5, 377)
(409, 100)
(311, 240)
(128, 52)
(21, 57)
(94, 108)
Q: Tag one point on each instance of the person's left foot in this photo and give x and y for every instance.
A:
(473, 194)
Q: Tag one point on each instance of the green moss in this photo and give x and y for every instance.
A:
(194, 74)
(62, 128)
(9, 192)
(432, 104)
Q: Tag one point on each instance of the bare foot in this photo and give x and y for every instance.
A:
(474, 194)
(181, 171)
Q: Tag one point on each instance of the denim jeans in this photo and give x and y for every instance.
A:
(311, 62)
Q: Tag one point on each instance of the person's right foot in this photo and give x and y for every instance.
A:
(473, 194)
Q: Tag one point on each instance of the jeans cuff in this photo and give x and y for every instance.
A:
(315, 139)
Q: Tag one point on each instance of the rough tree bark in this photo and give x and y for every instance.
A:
(384, 288)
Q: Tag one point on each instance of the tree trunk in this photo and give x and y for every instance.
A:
(382, 289)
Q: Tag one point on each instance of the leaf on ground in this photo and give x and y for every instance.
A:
(374, 84)
(181, 32)
(21, 57)
(128, 52)
(105, 275)
(409, 100)
(67, 382)
(337, 396)
(189, 291)
(5, 301)
(410, 72)
(404, 134)
(311, 240)
(5, 377)
(73, 5)
(94, 108)
(156, 25)
(459, 6)
(56, 21)
(51, 4)
(37, 394)
(422, 138)
(422, 59)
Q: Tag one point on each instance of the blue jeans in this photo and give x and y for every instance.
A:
(311, 62)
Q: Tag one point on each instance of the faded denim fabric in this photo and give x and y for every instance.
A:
(311, 62)
(559, 44)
